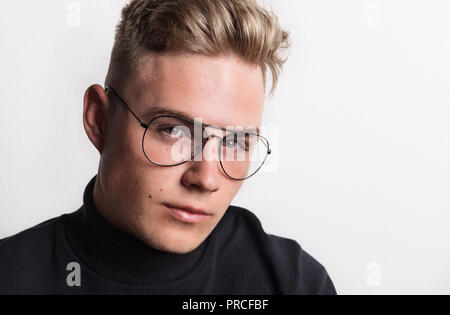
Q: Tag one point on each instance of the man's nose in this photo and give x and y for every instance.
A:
(204, 173)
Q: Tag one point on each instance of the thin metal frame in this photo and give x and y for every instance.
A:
(204, 139)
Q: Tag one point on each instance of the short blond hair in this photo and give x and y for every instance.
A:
(207, 27)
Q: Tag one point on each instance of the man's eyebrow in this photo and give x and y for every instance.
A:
(155, 111)
(158, 110)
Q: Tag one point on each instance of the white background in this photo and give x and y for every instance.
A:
(361, 173)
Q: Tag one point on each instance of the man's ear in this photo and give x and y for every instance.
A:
(95, 111)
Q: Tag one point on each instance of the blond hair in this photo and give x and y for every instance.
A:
(208, 27)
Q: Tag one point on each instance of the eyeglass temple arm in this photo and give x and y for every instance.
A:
(108, 87)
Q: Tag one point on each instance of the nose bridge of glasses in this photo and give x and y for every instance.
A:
(206, 140)
(210, 132)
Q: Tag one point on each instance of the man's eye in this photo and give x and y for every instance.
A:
(174, 132)
(235, 143)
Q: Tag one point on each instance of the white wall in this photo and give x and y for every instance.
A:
(362, 110)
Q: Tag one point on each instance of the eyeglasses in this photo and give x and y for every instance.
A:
(171, 140)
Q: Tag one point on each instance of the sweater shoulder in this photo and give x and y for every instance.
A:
(296, 270)
(30, 260)
(25, 251)
(303, 274)
(30, 236)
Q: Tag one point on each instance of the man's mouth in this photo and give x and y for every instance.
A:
(187, 214)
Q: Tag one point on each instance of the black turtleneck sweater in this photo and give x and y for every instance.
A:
(81, 253)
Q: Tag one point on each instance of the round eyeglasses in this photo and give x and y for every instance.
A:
(171, 140)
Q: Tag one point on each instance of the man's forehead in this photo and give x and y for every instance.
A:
(219, 91)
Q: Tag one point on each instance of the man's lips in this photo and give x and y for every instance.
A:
(188, 209)
(187, 214)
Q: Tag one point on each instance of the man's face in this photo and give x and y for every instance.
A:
(222, 91)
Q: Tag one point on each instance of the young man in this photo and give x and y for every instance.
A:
(176, 127)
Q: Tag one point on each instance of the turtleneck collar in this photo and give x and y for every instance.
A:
(123, 257)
